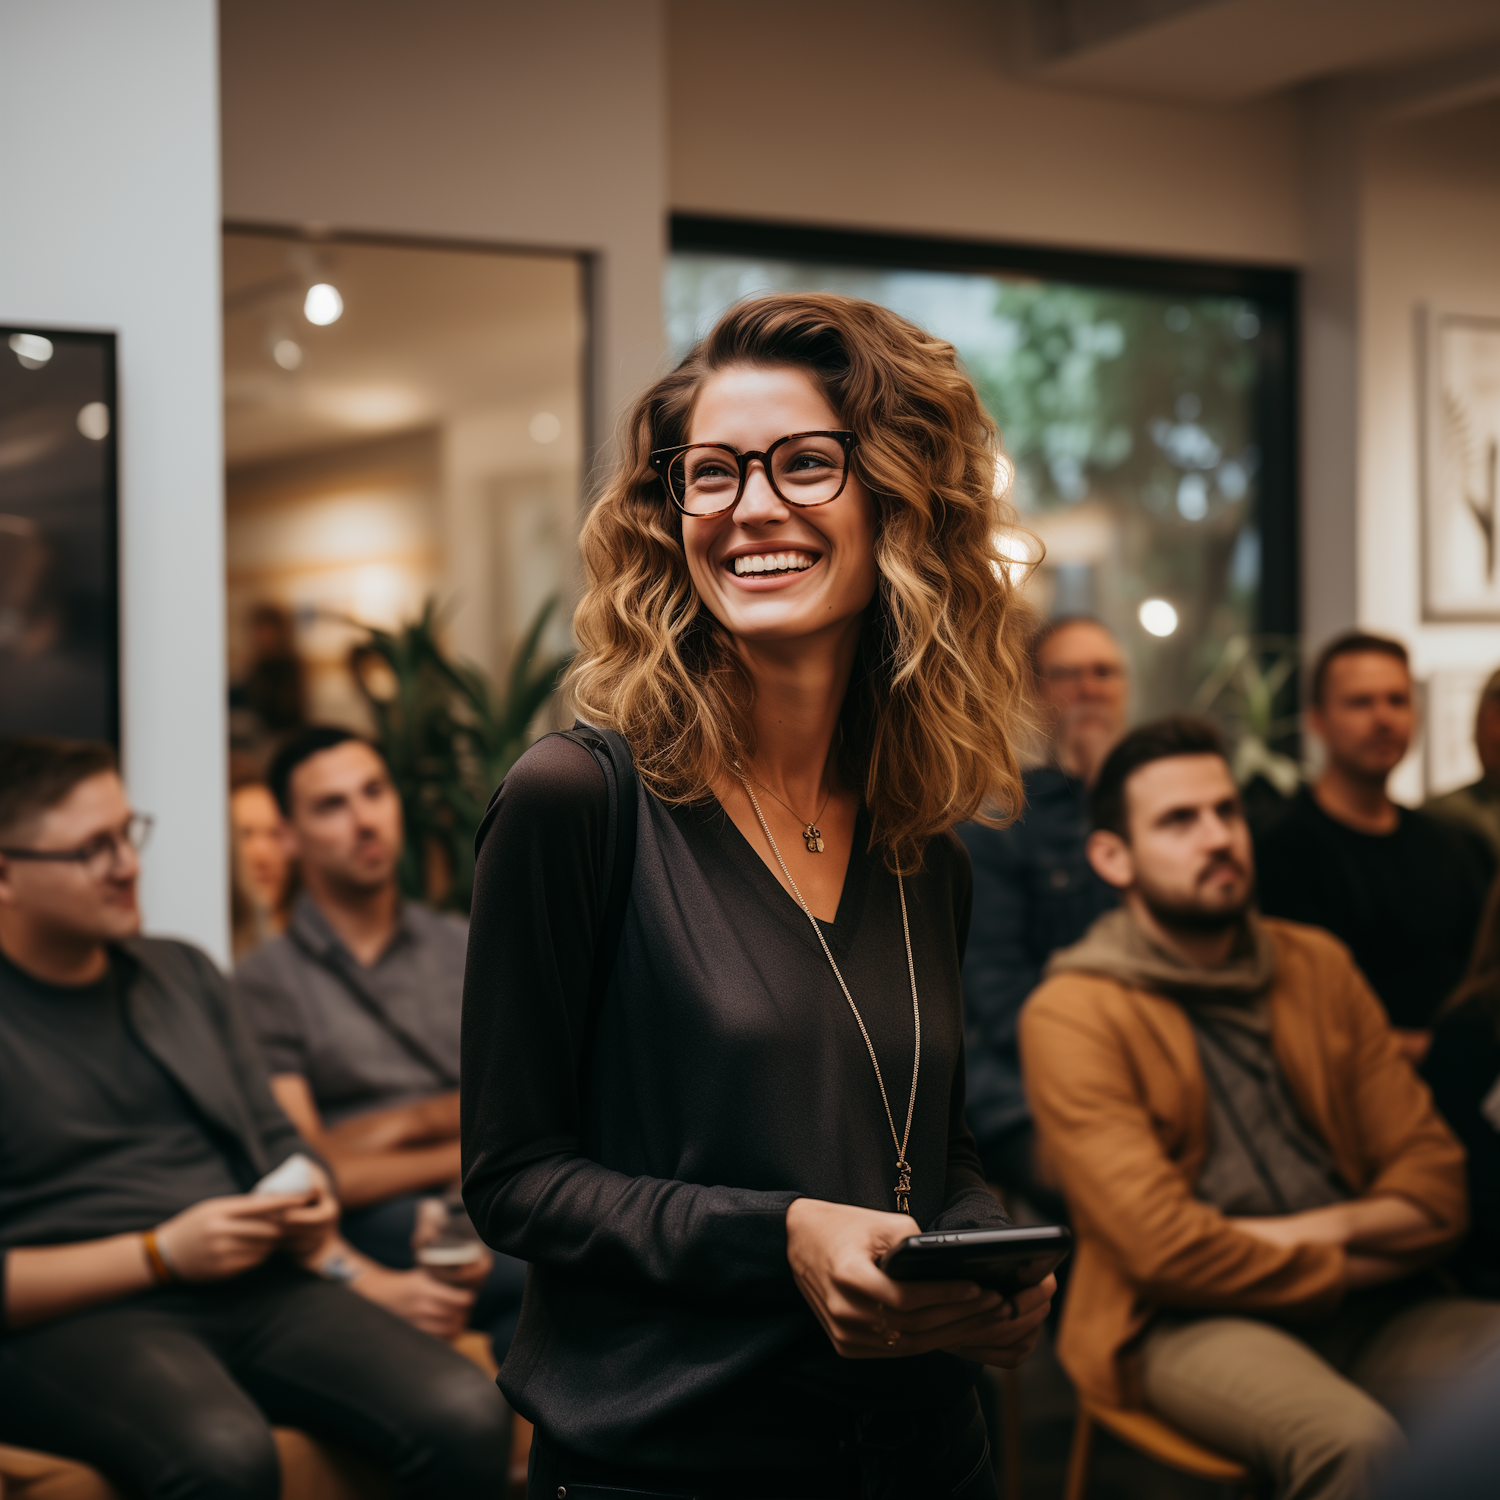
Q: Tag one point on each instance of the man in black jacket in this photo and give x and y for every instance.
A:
(159, 1313)
(1403, 889)
(1035, 892)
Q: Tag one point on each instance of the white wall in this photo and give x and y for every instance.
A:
(1430, 236)
(513, 123)
(911, 124)
(109, 192)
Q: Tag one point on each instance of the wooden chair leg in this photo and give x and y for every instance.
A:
(1011, 1431)
(1080, 1457)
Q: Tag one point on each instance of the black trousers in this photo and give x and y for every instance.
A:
(925, 1455)
(172, 1394)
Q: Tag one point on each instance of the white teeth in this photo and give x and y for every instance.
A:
(773, 562)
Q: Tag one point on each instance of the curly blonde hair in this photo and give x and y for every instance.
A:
(937, 699)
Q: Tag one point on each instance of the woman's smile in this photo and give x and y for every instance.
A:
(769, 570)
(763, 568)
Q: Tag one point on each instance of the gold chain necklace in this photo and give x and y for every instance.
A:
(812, 835)
(903, 1169)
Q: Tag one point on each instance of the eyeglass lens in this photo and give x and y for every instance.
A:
(802, 470)
(1099, 671)
(106, 849)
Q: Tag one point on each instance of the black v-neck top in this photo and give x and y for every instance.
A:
(726, 1077)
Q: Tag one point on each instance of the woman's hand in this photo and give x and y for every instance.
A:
(220, 1237)
(1014, 1329)
(832, 1249)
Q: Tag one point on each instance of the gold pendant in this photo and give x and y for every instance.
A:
(903, 1188)
(813, 839)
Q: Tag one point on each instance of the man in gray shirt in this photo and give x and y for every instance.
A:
(357, 1008)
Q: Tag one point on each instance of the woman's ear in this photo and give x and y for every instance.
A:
(1111, 858)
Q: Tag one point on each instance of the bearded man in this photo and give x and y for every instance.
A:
(1257, 1178)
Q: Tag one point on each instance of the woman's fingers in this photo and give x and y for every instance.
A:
(947, 1314)
(1030, 1298)
(886, 1333)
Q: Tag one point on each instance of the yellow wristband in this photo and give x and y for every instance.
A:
(160, 1269)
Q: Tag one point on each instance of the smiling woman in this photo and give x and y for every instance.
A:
(799, 626)
(928, 726)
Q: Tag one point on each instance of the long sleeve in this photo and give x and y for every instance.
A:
(531, 1190)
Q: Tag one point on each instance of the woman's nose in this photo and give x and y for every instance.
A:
(759, 503)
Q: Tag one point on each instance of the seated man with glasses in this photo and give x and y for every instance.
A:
(1035, 892)
(157, 1312)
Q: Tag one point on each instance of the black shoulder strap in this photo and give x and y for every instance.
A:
(618, 765)
(336, 962)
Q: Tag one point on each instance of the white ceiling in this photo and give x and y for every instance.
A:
(1230, 51)
(425, 334)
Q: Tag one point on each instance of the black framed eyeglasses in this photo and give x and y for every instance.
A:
(99, 854)
(803, 468)
(1097, 671)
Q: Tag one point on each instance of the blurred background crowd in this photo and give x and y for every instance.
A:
(308, 370)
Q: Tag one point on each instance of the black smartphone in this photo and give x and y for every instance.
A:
(1005, 1259)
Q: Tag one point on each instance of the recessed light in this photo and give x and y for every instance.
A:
(31, 350)
(93, 421)
(1158, 617)
(544, 427)
(287, 353)
(323, 305)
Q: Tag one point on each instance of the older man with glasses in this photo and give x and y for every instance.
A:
(1035, 892)
(166, 1293)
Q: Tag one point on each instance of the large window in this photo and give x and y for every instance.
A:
(1145, 407)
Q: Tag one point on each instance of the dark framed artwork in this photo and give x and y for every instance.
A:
(1461, 439)
(59, 569)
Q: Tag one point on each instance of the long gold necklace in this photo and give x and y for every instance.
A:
(903, 1169)
(812, 835)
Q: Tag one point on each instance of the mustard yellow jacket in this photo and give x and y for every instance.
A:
(1117, 1091)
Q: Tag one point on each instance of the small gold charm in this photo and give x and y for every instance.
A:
(813, 839)
(903, 1188)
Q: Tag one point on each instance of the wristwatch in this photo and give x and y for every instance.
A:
(338, 1267)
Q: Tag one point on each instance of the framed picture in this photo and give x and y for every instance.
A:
(1452, 700)
(59, 613)
(1461, 440)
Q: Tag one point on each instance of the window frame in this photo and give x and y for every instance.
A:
(1274, 289)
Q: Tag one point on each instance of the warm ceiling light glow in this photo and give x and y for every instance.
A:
(93, 421)
(288, 353)
(31, 349)
(544, 427)
(323, 305)
(1158, 617)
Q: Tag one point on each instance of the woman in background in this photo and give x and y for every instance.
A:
(797, 619)
(262, 876)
